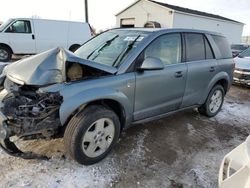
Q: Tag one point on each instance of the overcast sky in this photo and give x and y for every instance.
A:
(102, 12)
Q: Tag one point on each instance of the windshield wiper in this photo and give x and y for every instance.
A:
(124, 52)
(107, 43)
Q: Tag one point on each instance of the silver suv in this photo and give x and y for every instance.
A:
(119, 78)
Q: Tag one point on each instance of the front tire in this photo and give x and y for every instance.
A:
(91, 134)
(5, 54)
(214, 102)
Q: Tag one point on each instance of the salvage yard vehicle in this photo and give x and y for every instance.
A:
(31, 36)
(242, 68)
(119, 78)
(238, 48)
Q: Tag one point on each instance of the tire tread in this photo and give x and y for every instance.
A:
(75, 126)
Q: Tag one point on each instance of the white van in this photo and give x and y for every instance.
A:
(31, 36)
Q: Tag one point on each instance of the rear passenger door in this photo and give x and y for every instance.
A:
(201, 65)
(161, 91)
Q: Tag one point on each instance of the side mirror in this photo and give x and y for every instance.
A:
(151, 63)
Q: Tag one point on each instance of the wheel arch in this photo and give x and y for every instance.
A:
(6, 45)
(118, 102)
(224, 83)
(114, 105)
(221, 78)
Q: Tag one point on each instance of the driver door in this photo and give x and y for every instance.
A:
(161, 91)
(22, 40)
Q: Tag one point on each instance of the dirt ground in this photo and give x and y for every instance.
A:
(182, 150)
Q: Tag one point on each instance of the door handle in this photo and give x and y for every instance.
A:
(212, 69)
(33, 36)
(178, 74)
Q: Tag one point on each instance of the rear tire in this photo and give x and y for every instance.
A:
(214, 102)
(91, 134)
(5, 54)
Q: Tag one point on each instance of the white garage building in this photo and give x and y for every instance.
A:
(170, 16)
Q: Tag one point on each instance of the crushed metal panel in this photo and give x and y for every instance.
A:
(45, 68)
(48, 67)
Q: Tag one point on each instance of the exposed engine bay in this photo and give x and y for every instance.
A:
(32, 115)
(76, 71)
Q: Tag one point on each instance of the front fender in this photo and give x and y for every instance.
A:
(81, 99)
(216, 78)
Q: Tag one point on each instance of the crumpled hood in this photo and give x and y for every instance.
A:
(242, 63)
(48, 67)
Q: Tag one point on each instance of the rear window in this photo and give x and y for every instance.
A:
(223, 46)
(198, 47)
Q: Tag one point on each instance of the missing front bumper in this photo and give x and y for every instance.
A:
(10, 147)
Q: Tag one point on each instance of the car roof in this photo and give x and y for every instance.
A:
(168, 30)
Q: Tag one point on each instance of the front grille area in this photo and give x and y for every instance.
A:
(242, 74)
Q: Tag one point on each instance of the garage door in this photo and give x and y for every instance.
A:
(128, 22)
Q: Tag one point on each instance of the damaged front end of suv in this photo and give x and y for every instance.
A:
(28, 115)
(26, 110)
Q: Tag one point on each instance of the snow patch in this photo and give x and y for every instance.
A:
(191, 129)
(138, 153)
(59, 172)
(234, 113)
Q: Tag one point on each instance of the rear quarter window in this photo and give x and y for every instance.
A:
(223, 46)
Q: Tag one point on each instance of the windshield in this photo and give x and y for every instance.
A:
(111, 47)
(239, 47)
(5, 24)
(245, 53)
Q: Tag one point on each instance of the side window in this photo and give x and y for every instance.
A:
(20, 26)
(223, 46)
(167, 48)
(195, 47)
(209, 52)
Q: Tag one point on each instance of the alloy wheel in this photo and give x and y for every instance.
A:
(215, 101)
(98, 137)
(3, 54)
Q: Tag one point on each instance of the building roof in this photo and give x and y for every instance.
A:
(190, 11)
(186, 10)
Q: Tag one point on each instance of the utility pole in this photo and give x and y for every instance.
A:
(86, 12)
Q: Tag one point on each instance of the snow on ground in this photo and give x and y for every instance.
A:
(61, 172)
(56, 172)
(236, 114)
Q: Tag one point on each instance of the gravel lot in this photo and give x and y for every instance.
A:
(182, 150)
